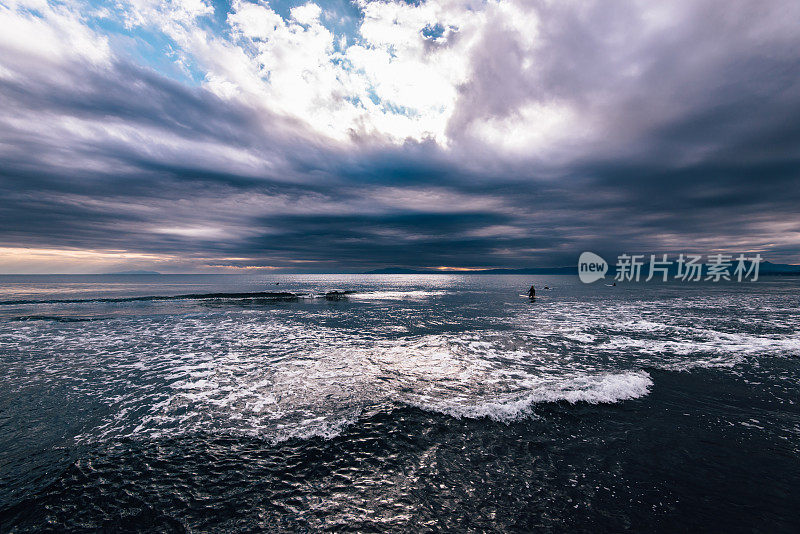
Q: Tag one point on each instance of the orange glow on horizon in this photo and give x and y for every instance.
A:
(462, 268)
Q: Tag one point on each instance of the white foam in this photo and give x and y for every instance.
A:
(323, 388)
(599, 389)
(702, 348)
(395, 295)
(278, 374)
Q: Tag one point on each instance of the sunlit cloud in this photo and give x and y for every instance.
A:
(33, 260)
(355, 135)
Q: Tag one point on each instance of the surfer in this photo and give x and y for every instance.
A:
(532, 293)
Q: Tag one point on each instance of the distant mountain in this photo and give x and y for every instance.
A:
(532, 270)
(765, 268)
(134, 272)
(398, 270)
(778, 268)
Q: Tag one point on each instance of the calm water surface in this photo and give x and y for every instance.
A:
(417, 403)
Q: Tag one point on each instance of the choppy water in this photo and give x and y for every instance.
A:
(415, 403)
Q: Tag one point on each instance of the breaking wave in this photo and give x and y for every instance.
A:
(283, 372)
(600, 389)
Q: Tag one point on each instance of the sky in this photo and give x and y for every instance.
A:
(335, 136)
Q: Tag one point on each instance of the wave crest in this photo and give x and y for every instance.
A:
(592, 389)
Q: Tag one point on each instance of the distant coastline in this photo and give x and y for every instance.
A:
(132, 272)
(533, 270)
(766, 268)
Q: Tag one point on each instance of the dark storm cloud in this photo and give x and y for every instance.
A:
(699, 150)
(432, 239)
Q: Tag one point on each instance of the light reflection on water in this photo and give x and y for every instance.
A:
(89, 374)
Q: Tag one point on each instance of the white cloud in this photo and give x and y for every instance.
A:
(306, 14)
(49, 33)
(390, 82)
(489, 79)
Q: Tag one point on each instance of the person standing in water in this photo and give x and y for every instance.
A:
(532, 293)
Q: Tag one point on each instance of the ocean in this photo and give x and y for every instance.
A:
(413, 403)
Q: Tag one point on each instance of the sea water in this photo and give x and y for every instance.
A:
(413, 403)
